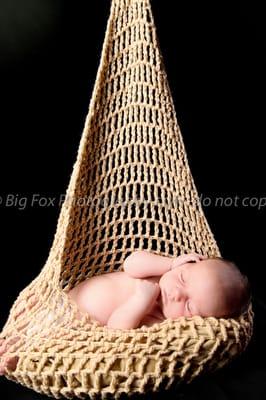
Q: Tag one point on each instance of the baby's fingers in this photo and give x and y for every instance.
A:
(196, 257)
(201, 257)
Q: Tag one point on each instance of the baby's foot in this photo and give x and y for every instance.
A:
(10, 362)
(7, 361)
(41, 323)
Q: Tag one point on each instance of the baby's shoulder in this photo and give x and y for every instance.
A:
(116, 277)
(122, 275)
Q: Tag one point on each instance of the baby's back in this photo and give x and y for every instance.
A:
(100, 295)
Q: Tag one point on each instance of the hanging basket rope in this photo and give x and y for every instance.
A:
(132, 168)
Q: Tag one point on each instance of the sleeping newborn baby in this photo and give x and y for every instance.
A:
(152, 288)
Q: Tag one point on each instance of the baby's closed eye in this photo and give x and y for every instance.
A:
(182, 277)
(188, 307)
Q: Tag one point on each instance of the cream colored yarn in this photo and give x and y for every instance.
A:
(131, 188)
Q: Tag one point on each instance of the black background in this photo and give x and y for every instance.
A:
(214, 54)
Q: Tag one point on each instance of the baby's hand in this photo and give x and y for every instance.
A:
(186, 258)
(147, 290)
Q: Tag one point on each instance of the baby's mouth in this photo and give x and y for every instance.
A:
(160, 299)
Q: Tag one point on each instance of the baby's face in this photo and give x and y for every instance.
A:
(192, 289)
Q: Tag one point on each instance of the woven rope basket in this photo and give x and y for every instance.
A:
(131, 188)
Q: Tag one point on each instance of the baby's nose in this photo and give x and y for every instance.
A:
(177, 294)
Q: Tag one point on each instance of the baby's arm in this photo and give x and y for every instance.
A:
(130, 314)
(142, 263)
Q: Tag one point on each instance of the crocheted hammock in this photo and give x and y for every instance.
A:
(131, 188)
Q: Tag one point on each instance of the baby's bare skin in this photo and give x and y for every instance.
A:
(119, 300)
(129, 298)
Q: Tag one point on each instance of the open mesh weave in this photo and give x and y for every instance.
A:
(131, 188)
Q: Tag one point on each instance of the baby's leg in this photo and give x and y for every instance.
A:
(37, 324)
(6, 344)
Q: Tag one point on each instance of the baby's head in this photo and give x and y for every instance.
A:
(210, 287)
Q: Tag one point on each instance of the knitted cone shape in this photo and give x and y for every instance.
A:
(131, 188)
